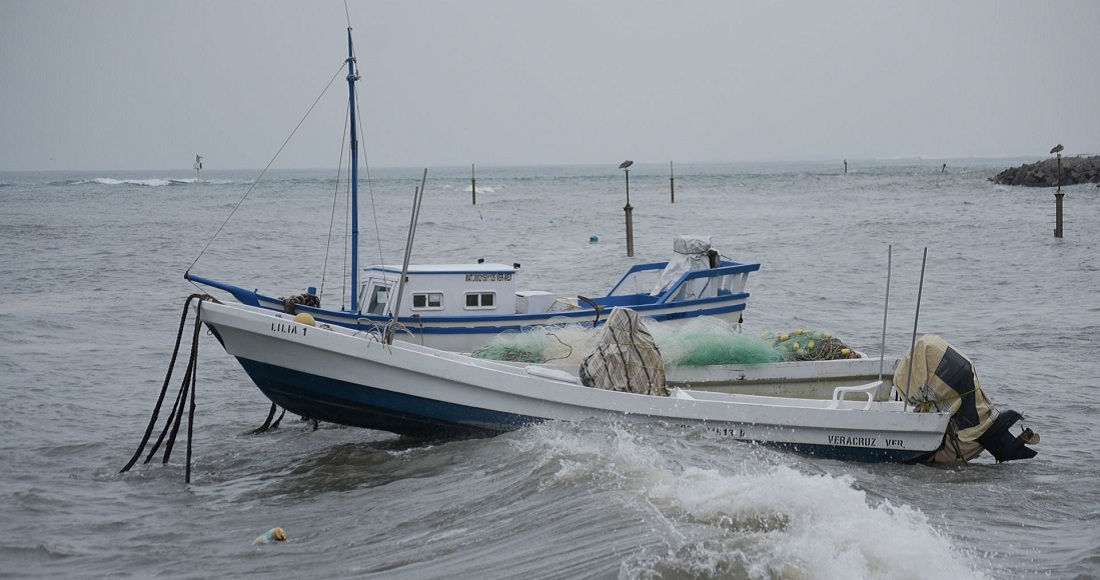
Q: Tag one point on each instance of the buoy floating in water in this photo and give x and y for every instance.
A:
(593, 239)
(272, 535)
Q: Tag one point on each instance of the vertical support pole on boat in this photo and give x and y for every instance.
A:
(352, 77)
(671, 183)
(473, 186)
(913, 344)
(885, 310)
(417, 196)
(629, 211)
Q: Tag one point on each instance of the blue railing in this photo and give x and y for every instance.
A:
(724, 276)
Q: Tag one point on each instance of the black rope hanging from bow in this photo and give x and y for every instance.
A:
(185, 396)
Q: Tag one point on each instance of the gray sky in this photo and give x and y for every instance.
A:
(117, 84)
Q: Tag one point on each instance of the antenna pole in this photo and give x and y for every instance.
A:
(885, 310)
(913, 344)
(417, 196)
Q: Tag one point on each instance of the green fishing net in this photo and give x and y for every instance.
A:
(565, 344)
(706, 342)
(515, 347)
(700, 342)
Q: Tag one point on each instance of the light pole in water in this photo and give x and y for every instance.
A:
(625, 166)
(1058, 194)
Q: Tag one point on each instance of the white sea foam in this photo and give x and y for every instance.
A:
(817, 525)
(151, 182)
(764, 519)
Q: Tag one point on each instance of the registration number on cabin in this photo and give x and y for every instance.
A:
(488, 277)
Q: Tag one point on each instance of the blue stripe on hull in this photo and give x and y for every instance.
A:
(516, 323)
(344, 403)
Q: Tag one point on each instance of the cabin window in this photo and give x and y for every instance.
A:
(428, 301)
(379, 295)
(481, 300)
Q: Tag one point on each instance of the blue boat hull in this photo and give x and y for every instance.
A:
(356, 405)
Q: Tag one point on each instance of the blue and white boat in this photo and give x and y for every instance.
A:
(460, 307)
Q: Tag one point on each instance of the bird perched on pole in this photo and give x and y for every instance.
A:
(626, 164)
(1057, 148)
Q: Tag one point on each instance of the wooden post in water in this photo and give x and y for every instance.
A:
(671, 183)
(473, 186)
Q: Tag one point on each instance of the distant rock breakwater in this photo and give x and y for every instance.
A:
(1044, 173)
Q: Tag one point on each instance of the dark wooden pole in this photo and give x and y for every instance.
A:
(671, 183)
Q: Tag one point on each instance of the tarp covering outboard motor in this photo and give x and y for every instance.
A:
(692, 253)
(625, 357)
(943, 379)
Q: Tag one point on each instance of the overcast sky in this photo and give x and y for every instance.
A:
(117, 84)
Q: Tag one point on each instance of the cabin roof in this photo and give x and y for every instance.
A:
(445, 269)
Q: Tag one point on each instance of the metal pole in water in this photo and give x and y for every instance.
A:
(629, 219)
(473, 185)
(628, 210)
(1058, 214)
(1058, 195)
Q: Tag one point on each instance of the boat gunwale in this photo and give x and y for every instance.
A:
(537, 390)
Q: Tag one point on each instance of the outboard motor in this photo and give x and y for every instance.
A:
(943, 379)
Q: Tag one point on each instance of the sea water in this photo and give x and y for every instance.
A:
(92, 269)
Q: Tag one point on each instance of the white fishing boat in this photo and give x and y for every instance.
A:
(340, 375)
(461, 306)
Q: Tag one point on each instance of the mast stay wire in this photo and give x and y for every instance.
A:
(266, 167)
(332, 215)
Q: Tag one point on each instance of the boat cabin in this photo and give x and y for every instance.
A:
(444, 290)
